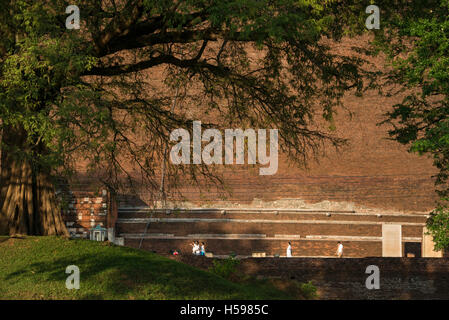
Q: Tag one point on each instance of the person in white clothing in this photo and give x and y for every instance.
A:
(198, 249)
(340, 250)
(289, 250)
(195, 248)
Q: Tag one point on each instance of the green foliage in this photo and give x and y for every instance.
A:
(224, 268)
(416, 39)
(38, 59)
(419, 50)
(85, 95)
(309, 291)
(438, 227)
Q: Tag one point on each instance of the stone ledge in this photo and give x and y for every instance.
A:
(217, 220)
(227, 235)
(260, 237)
(289, 236)
(268, 210)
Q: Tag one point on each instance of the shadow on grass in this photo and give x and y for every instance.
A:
(125, 273)
(3, 238)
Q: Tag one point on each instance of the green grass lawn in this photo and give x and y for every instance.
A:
(34, 268)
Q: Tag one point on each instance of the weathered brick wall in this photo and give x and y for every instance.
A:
(373, 187)
(370, 171)
(330, 215)
(246, 247)
(270, 247)
(269, 229)
(83, 210)
(313, 233)
(400, 278)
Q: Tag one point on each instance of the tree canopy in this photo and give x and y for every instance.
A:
(93, 93)
(416, 40)
(87, 94)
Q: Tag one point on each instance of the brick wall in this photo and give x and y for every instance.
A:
(83, 210)
(312, 233)
(269, 229)
(292, 214)
(271, 247)
(310, 248)
(400, 278)
(370, 171)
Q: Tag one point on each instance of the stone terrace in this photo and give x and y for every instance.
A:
(313, 233)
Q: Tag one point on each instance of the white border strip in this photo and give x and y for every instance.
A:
(216, 220)
(307, 238)
(270, 210)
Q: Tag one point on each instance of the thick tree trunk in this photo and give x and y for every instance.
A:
(27, 200)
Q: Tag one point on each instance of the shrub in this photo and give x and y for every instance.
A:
(438, 227)
(308, 290)
(225, 268)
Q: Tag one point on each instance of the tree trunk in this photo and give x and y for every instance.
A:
(27, 199)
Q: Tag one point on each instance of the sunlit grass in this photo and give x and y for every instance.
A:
(34, 268)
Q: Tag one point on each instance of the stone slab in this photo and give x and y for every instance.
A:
(391, 240)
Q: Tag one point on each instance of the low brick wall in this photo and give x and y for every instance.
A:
(400, 278)
(306, 248)
(243, 231)
(271, 247)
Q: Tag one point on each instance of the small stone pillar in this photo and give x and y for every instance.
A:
(391, 240)
(428, 246)
(111, 235)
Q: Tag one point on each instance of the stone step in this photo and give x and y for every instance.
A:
(147, 235)
(357, 238)
(227, 235)
(287, 236)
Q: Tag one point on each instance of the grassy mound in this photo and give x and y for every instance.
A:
(34, 268)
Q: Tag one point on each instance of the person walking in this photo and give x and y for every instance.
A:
(289, 250)
(339, 250)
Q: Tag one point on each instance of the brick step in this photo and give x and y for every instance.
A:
(305, 247)
(183, 227)
(270, 214)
